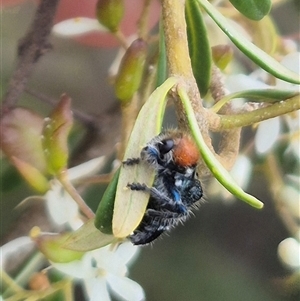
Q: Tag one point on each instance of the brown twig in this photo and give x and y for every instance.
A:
(30, 49)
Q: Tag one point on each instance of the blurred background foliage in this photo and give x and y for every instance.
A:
(228, 251)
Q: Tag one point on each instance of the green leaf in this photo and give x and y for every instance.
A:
(266, 95)
(199, 47)
(253, 52)
(104, 213)
(162, 58)
(51, 245)
(87, 238)
(32, 175)
(130, 205)
(55, 136)
(216, 168)
(252, 9)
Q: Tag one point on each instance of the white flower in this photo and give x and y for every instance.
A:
(267, 135)
(14, 248)
(293, 122)
(86, 169)
(104, 271)
(291, 199)
(289, 253)
(77, 27)
(269, 131)
(292, 62)
(61, 206)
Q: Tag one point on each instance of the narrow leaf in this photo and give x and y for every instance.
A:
(252, 9)
(266, 95)
(253, 52)
(130, 205)
(51, 245)
(199, 47)
(87, 238)
(32, 175)
(162, 58)
(55, 135)
(216, 168)
(104, 213)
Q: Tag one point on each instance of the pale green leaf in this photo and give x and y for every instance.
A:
(87, 238)
(130, 205)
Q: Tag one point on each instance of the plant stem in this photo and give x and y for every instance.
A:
(63, 178)
(240, 120)
(143, 21)
(179, 63)
(176, 38)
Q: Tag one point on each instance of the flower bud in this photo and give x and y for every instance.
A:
(222, 55)
(131, 70)
(110, 13)
(55, 136)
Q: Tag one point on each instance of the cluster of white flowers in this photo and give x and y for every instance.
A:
(269, 133)
(102, 271)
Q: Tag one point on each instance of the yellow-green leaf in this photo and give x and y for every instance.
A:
(32, 175)
(130, 205)
(55, 136)
(87, 238)
(51, 245)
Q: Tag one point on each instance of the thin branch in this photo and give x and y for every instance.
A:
(226, 122)
(85, 209)
(143, 21)
(30, 49)
(179, 64)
